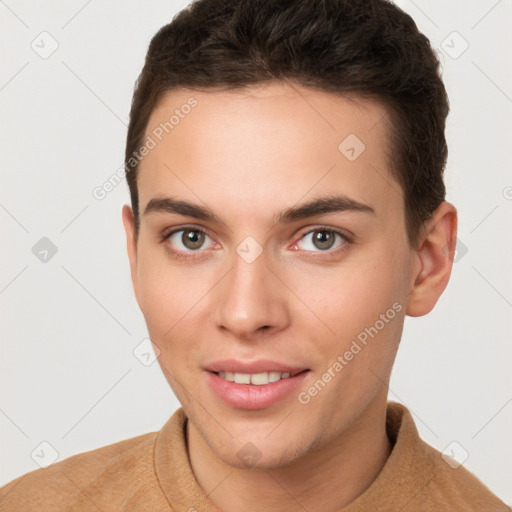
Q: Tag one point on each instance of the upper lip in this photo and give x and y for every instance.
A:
(259, 366)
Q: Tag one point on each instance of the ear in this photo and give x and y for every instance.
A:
(434, 260)
(131, 243)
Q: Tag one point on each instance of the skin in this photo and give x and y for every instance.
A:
(248, 156)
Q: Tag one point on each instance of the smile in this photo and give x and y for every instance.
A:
(258, 379)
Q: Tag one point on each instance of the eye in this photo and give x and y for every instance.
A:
(323, 240)
(187, 240)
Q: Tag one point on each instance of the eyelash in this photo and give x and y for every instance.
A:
(347, 242)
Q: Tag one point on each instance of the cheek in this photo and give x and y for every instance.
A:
(366, 320)
(174, 301)
(167, 294)
(359, 300)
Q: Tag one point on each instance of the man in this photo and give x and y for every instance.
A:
(285, 163)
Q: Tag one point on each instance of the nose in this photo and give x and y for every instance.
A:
(251, 299)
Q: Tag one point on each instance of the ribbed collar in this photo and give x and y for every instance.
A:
(406, 472)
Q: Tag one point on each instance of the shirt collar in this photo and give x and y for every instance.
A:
(406, 472)
(173, 468)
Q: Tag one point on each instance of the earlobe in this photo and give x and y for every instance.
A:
(131, 243)
(435, 259)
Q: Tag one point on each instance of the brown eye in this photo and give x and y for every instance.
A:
(188, 240)
(192, 238)
(323, 239)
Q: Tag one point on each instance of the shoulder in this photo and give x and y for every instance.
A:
(457, 488)
(423, 478)
(115, 470)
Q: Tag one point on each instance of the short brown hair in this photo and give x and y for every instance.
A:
(370, 48)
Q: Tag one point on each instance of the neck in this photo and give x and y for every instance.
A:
(329, 478)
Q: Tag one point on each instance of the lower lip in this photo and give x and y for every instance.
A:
(251, 396)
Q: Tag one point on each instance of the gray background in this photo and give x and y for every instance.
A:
(70, 324)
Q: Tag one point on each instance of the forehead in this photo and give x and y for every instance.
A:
(271, 141)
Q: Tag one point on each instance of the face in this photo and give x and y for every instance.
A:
(322, 289)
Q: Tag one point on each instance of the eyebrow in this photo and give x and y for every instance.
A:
(319, 206)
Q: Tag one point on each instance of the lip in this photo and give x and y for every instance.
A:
(259, 366)
(251, 396)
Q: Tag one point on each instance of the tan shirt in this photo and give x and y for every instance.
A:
(152, 473)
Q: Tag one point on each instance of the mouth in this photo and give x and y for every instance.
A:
(252, 391)
(257, 379)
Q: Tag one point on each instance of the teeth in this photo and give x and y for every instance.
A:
(242, 378)
(258, 379)
(274, 376)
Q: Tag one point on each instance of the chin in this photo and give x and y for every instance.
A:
(259, 455)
